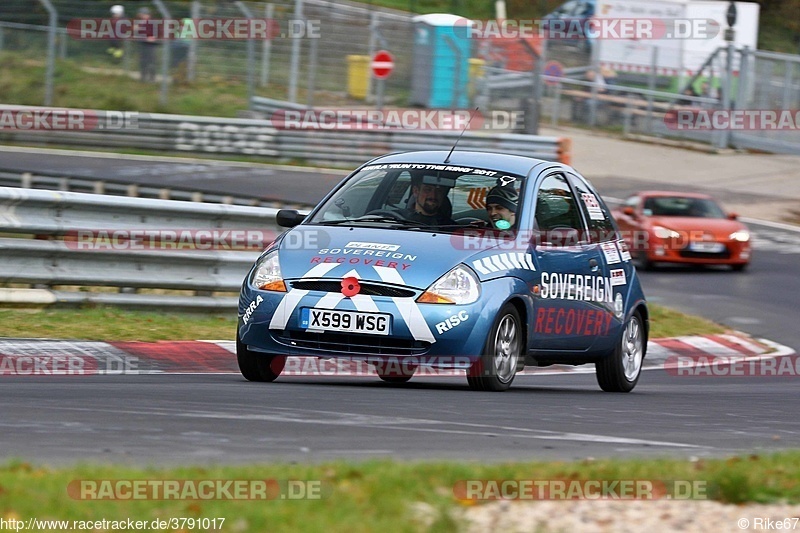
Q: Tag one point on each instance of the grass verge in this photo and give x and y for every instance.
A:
(373, 495)
(110, 324)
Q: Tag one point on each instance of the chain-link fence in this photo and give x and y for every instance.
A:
(320, 53)
(312, 54)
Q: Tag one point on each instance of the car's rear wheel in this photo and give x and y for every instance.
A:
(256, 366)
(620, 370)
(496, 368)
(739, 267)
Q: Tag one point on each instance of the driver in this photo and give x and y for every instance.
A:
(501, 206)
(430, 196)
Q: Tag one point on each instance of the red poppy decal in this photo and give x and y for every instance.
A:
(350, 287)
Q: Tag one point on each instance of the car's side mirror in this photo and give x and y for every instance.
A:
(289, 218)
(733, 216)
(630, 211)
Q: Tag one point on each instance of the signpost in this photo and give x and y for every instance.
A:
(382, 66)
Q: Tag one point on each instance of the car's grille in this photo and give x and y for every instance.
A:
(726, 254)
(352, 343)
(368, 289)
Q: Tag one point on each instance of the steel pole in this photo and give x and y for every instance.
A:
(294, 62)
(51, 51)
(163, 97)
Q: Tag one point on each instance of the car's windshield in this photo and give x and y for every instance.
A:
(424, 196)
(681, 206)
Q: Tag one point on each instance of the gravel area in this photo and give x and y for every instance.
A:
(605, 516)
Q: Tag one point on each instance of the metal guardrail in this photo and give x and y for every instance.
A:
(108, 186)
(179, 133)
(57, 255)
(354, 147)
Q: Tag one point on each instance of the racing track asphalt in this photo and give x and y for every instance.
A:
(201, 419)
(289, 185)
(221, 418)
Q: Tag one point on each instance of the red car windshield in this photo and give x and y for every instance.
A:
(681, 206)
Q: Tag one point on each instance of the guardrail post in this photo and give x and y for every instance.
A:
(51, 51)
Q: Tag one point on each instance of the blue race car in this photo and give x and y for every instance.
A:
(476, 261)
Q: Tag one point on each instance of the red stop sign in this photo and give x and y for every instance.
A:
(382, 64)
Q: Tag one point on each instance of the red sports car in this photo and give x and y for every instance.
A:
(670, 227)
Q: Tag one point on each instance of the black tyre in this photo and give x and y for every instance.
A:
(257, 366)
(496, 368)
(393, 371)
(396, 377)
(739, 268)
(620, 370)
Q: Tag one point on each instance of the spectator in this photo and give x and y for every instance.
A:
(598, 79)
(147, 48)
(115, 49)
(179, 48)
(689, 92)
(581, 106)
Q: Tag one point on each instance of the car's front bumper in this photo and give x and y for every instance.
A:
(733, 253)
(441, 335)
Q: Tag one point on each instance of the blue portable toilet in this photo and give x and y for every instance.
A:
(440, 76)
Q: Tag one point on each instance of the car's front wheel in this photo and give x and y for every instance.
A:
(256, 366)
(496, 368)
(397, 376)
(620, 370)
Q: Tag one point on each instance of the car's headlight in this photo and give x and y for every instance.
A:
(267, 274)
(459, 286)
(741, 236)
(665, 233)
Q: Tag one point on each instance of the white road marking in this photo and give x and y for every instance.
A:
(338, 418)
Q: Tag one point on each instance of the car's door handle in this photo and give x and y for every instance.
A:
(593, 264)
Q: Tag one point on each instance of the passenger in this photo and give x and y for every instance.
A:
(501, 205)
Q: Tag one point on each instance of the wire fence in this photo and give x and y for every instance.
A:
(320, 56)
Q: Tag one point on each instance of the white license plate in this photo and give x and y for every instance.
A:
(708, 247)
(348, 321)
